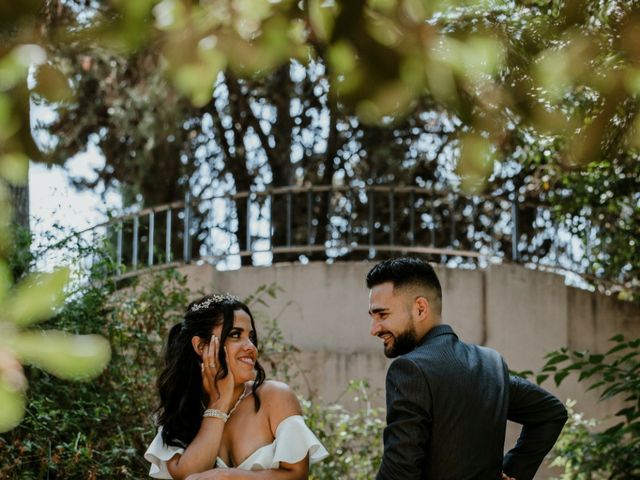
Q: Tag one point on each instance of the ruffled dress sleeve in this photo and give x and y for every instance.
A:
(159, 454)
(294, 440)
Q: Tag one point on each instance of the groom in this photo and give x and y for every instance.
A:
(448, 402)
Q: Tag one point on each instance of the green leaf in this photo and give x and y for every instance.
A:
(626, 358)
(576, 366)
(74, 357)
(585, 374)
(617, 348)
(596, 359)
(321, 17)
(596, 385)
(629, 413)
(541, 378)
(557, 359)
(560, 376)
(613, 429)
(5, 280)
(612, 391)
(476, 162)
(617, 338)
(52, 84)
(36, 297)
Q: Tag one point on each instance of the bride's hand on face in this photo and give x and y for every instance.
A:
(220, 392)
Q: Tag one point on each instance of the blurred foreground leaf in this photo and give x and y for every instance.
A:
(72, 357)
(36, 297)
(12, 386)
(14, 167)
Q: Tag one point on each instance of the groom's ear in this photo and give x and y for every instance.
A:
(423, 308)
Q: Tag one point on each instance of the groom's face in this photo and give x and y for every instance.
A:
(391, 320)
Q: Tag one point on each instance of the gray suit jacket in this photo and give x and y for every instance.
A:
(448, 403)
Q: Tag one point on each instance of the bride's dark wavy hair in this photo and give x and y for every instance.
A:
(182, 397)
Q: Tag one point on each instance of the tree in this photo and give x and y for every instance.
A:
(547, 89)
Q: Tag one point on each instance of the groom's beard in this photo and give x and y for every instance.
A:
(403, 343)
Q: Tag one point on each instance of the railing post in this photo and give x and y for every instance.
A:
(587, 244)
(248, 224)
(167, 240)
(328, 231)
(271, 221)
(134, 261)
(309, 216)
(94, 241)
(119, 247)
(288, 219)
(452, 210)
(350, 207)
(371, 237)
(412, 217)
(152, 222)
(392, 240)
(186, 250)
(209, 242)
(432, 230)
(515, 233)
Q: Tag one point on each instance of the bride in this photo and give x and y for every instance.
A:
(218, 417)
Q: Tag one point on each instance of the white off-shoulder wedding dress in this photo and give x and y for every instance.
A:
(293, 441)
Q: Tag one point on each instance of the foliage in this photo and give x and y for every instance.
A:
(353, 437)
(585, 450)
(99, 429)
(27, 299)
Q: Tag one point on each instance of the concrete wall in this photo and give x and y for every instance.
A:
(522, 313)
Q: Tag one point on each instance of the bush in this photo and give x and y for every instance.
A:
(585, 450)
(98, 429)
(353, 438)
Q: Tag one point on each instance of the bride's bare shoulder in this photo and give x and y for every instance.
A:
(279, 400)
(273, 390)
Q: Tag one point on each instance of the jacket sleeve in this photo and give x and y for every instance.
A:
(408, 422)
(542, 417)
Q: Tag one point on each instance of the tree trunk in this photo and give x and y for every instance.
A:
(19, 196)
(20, 231)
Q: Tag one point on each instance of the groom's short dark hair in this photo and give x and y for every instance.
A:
(405, 271)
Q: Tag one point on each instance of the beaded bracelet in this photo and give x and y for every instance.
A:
(212, 412)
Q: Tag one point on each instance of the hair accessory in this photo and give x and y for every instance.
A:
(212, 300)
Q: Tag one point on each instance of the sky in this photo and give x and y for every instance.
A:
(53, 201)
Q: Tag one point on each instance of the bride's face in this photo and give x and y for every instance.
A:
(241, 348)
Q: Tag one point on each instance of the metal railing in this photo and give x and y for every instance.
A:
(332, 223)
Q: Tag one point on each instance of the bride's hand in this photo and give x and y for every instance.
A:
(220, 392)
